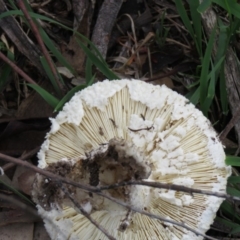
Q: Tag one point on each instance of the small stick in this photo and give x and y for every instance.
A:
(17, 69)
(97, 190)
(25, 156)
(155, 216)
(84, 213)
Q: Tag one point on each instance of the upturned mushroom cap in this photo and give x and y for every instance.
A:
(125, 130)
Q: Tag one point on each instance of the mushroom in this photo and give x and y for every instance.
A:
(126, 130)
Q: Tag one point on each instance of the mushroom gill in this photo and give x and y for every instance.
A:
(126, 130)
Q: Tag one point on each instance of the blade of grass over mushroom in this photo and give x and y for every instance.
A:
(194, 95)
(68, 96)
(97, 62)
(49, 98)
(16, 192)
(233, 161)
(205, 68)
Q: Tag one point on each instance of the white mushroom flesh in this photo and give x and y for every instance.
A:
(162, 136)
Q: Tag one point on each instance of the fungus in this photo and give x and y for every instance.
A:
(116, 131)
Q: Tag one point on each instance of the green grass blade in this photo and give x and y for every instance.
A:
(223, 92)
(50, 74)
(234, 179)
(211, 87)
(16, 192)
(55, 51)
(50, 45)
(210, 94)
(68, 96)
(43, 34)
(229, 209)
(223, 40)
(184, 16)
(205, 4)
(91, 80)
(5, 72)
(205, 68)
(194, 95)
(233, 161)
(197, 25)
(231, 6)
(235, 230)
(49, 98)
(98, 63)
(233, 191)
(230, 224)
(13, 5)
(88, 70)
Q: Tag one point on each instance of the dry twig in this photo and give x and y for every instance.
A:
(17, 69)
(97, 190)
(96, 224)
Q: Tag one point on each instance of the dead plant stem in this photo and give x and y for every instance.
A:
(17, 69)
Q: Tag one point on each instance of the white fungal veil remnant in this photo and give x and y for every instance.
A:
(123, 130)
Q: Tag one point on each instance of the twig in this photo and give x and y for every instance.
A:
(52, 176)
(97, 190)
(17, 69)
(16, 202)
(35, 31)
(170, 187)
(84, 213)
(154, 216)
(25, 156)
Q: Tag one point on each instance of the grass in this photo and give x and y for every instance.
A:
(212, 76)
(92, 53)
(210, 84)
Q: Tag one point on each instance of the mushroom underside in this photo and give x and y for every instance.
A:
(125, 140)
